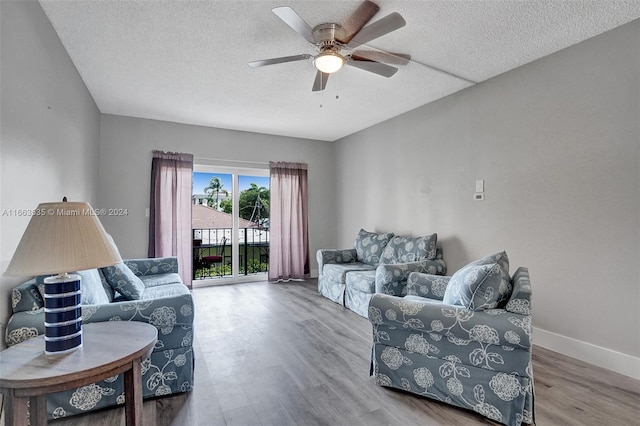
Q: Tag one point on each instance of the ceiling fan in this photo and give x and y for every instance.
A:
(336, 43)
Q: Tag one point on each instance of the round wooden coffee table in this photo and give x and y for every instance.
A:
(109, 348)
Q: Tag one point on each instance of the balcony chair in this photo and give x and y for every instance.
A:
(208, 261)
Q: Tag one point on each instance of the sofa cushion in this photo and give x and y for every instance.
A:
(336, 272)
(482, 284)
(111, 293)
(427, 285)
(93, 292)
(168, 290)
(160, 279)
(370, 245)
(364, 281)
(409, 249)
(124, 281)
(520, 301)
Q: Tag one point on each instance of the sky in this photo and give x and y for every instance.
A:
(201, 181)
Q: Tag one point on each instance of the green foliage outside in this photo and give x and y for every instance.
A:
(253, 204)
(226, 205)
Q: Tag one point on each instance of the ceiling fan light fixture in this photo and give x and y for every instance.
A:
(329, 61)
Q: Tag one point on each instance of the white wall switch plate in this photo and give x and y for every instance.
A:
(480, 185)
(478, 196)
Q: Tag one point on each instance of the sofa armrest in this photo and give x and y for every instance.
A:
(392, 278)
(166, 311)
(153, 266)
(325, 256)
(171, 315)
(26, 297)
(454, 323)
(23, 326)
(427, 285)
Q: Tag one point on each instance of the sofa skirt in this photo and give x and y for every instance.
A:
(331, 290)
(357, 301)
(503, 397)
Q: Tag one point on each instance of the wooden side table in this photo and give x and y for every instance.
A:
(109, 348)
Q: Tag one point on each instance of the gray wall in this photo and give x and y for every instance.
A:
(49, 127)
(125, 167)
(557, 143)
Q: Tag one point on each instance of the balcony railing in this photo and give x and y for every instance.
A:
(212, 252)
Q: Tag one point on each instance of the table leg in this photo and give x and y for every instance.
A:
(38, 408)
(133, 394)
(16, 410)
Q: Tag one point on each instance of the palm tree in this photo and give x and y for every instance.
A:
(214, 187)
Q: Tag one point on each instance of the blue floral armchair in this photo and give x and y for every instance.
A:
(378, 263)
(476, 357)
(147, 290)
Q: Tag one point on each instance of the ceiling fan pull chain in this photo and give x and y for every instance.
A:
(321, 97)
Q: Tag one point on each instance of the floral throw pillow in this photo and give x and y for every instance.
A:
(482, 284)
(370, 245)
(124, 281)
(408, 249)
(93, 292)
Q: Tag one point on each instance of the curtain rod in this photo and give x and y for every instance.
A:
(231, 161)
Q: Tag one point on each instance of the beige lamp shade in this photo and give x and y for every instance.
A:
(63, 237)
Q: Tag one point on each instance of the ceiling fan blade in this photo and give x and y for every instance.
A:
(357, 20)
(263, 62)
(374, 67)
(381, 56)
(292, 19)
(379, 28)
(320, 82)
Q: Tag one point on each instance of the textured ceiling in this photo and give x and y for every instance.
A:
(186, 61)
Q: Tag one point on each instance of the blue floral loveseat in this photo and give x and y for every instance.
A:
(464, 340)
(377, 263)
(146, 290)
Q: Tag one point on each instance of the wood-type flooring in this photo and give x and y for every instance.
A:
(280, 354)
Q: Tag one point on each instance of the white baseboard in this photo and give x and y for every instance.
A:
(588, 352)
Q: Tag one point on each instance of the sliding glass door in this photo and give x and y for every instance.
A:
(230, 224)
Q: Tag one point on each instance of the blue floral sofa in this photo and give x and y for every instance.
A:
(377, 263)
(464, 340)
(147, 290)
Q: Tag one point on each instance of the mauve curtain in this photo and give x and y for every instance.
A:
(289, 239)
(170, 209)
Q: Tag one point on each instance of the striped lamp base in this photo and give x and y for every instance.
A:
(63, 314)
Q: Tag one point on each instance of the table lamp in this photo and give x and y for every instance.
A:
(61, 238)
